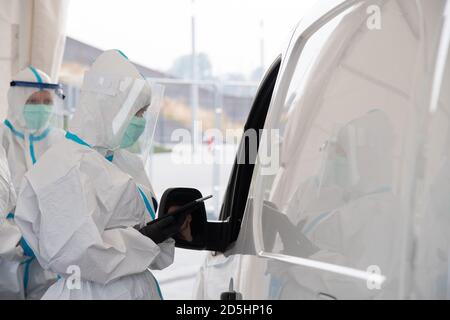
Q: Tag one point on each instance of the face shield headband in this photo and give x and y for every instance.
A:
(56, 88)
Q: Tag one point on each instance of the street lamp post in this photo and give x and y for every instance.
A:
(194, 86)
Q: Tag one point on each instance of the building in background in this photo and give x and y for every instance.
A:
(234, 104)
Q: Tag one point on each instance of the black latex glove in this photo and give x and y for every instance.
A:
(162, 229)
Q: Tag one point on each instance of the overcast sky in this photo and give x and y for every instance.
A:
(155, 32)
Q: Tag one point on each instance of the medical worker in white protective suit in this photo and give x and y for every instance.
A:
(349, 212)
(84, 217)
(28, 130)
(11, 255)
(135, 147)
(26, 134)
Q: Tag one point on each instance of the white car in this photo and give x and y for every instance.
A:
(351, 199)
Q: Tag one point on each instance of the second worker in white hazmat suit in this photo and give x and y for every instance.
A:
(34, 108)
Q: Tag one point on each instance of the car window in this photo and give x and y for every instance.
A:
(238, 186)
(345, 129)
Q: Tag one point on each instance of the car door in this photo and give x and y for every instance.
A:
(334, 220)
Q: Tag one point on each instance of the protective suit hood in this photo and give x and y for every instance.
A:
(113, 91)
(17, 97)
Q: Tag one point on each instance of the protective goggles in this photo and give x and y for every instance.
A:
(56, 88)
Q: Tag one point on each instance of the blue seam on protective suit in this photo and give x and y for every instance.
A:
(13, 130)
(77, 139)
(32, 155)
(36, 74)
(315, 222)
(37, 138)
(122, 54)
(29, 253)
(147, 204)
(157, 287)
(275, 287)
(26, 248)
(26, 274)
(23, 243)
(42, 136)
(32, 138)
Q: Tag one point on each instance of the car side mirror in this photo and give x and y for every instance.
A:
(193, 230)
(196, 232)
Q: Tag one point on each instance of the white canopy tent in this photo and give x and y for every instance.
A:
(32, 32)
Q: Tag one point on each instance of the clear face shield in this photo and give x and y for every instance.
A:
(127, 110)
(35, 106)
(138, 135)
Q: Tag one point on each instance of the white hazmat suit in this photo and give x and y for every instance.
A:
(24, 145)
(78, 211)
(11, 255)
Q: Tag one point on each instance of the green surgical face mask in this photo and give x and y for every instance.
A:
(36, 115)
(133, 132)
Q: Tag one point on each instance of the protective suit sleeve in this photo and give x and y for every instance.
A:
(165, 257)
(9, 233)
(150, 202)
(7, 192)
(166, 244)
(63, 233)
(9, 239)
